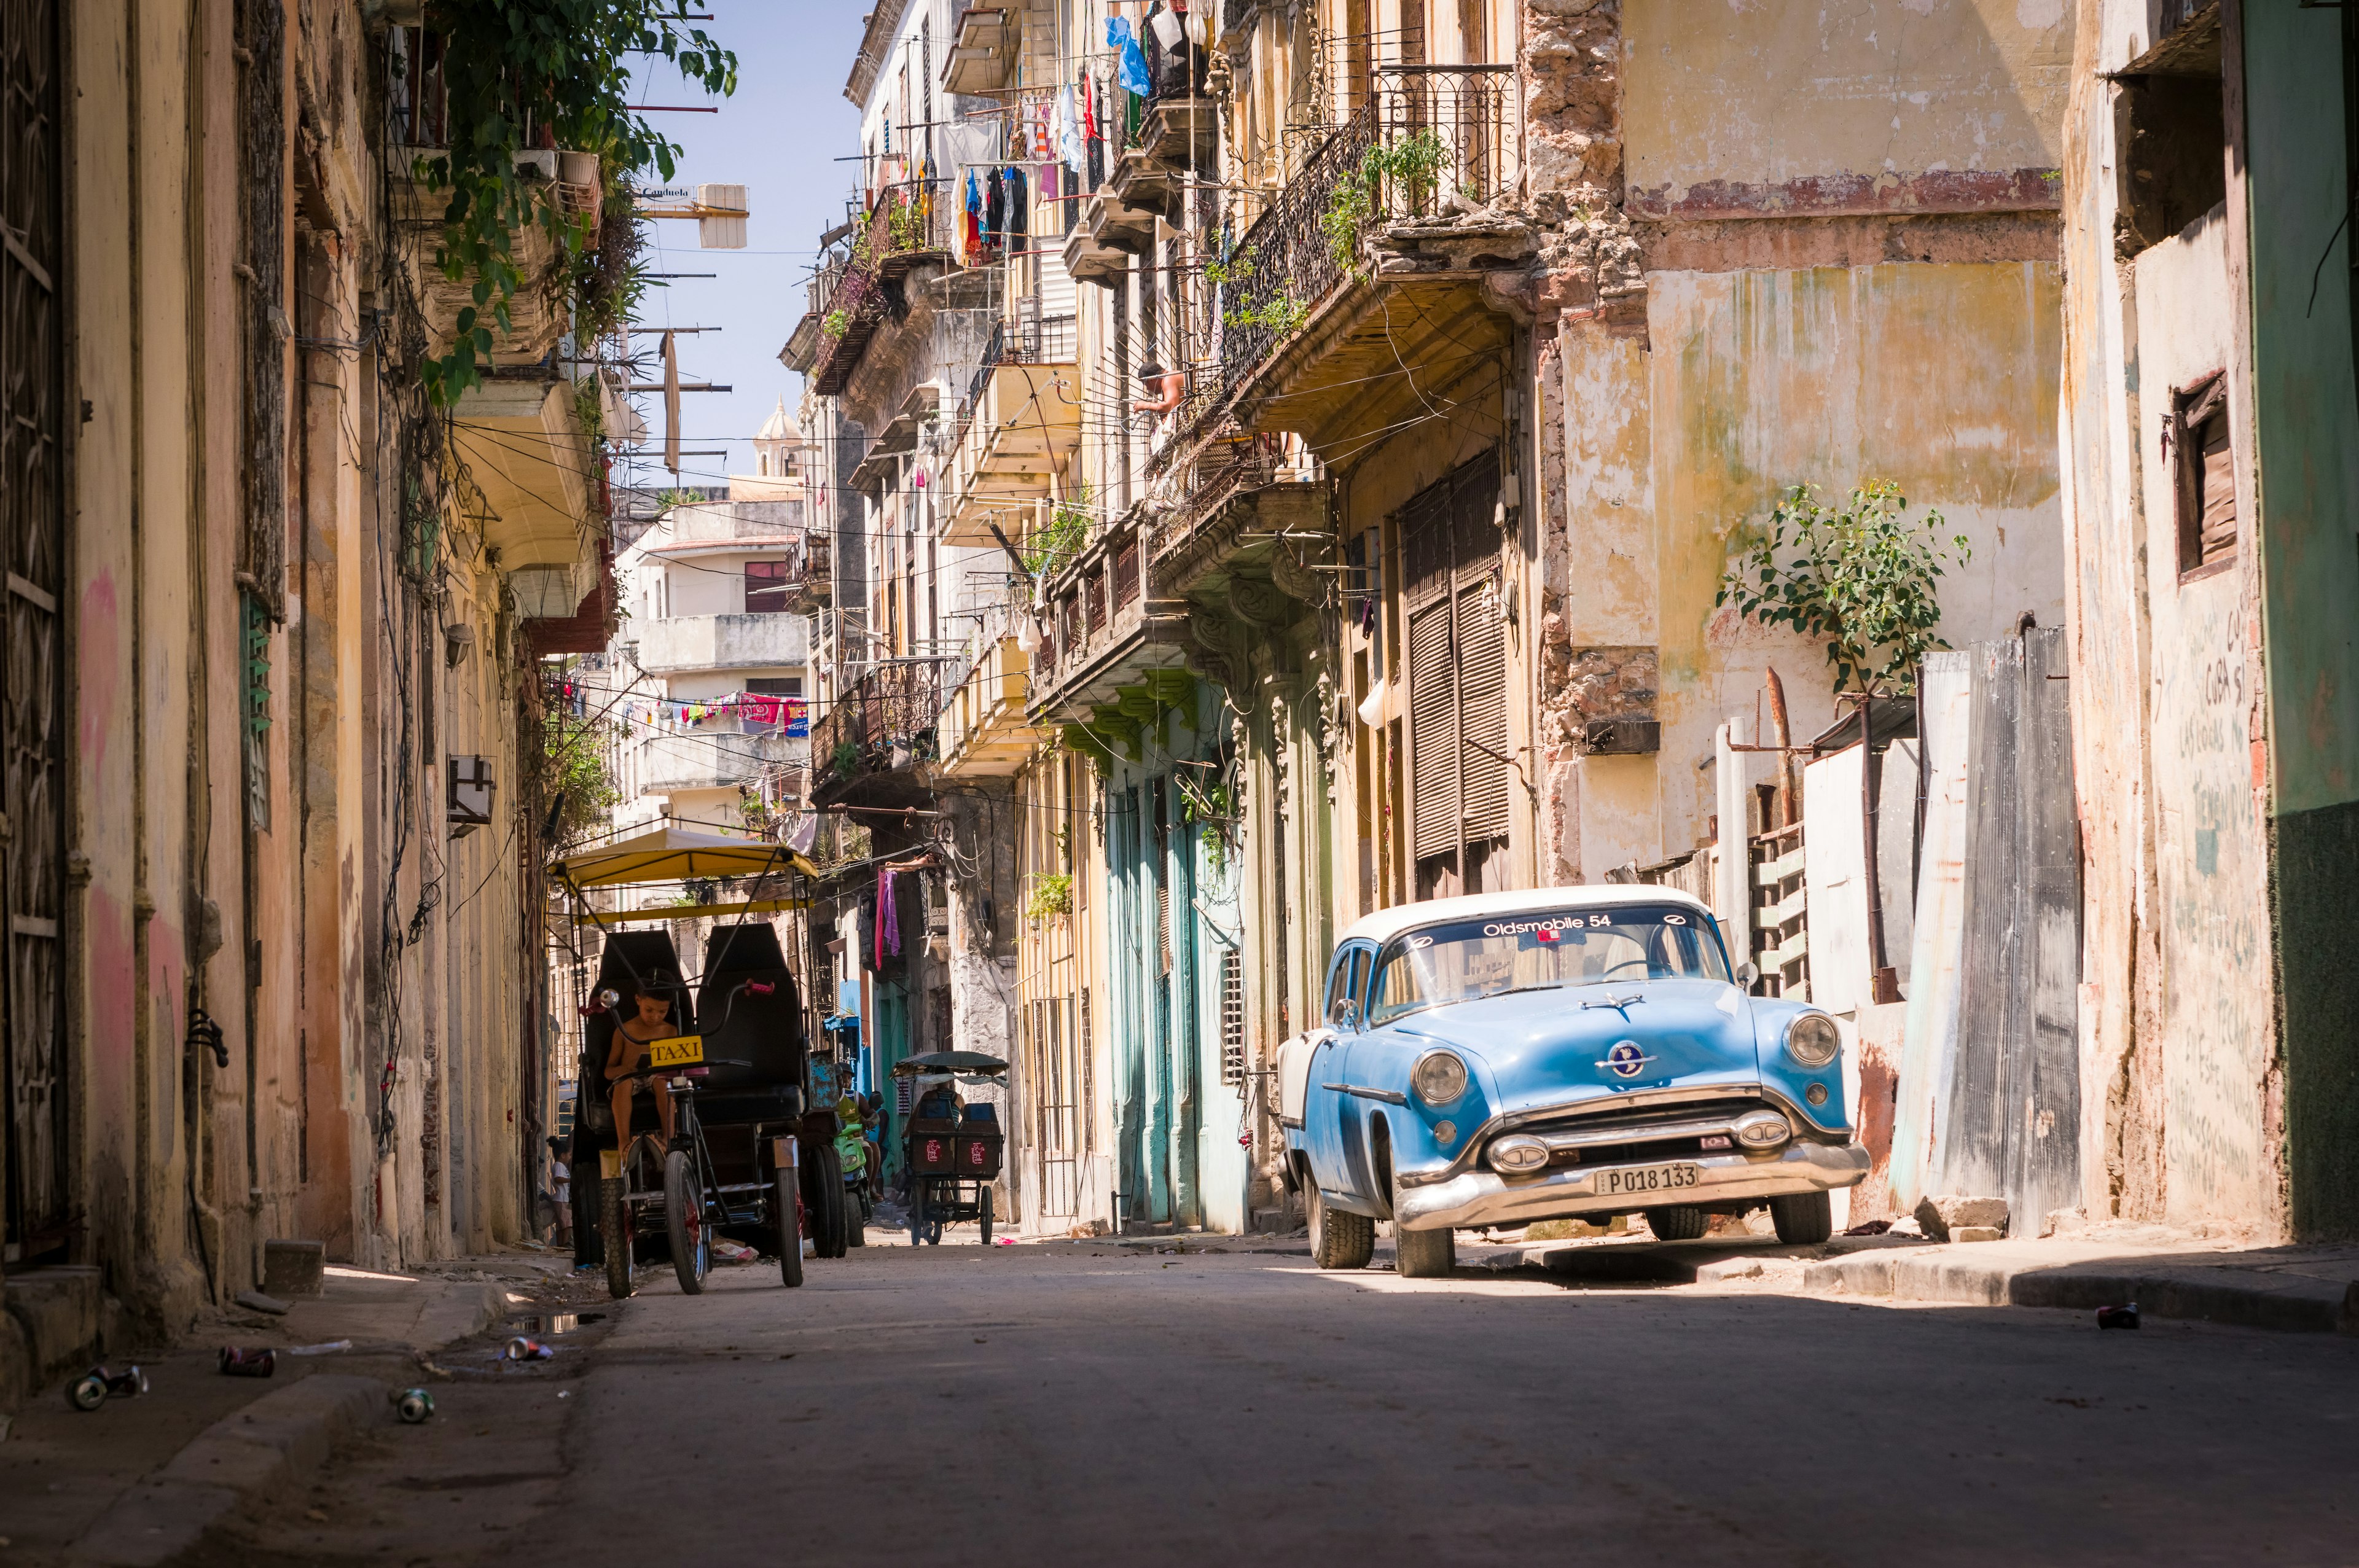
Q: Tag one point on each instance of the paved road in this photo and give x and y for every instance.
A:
(1044, 1405)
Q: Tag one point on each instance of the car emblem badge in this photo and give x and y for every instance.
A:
(1625, 1059)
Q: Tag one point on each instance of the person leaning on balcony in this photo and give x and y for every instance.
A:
(1164, 389)
(652, 1023)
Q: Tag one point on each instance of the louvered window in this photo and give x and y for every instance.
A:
(1458, 747)
(1233, 1016)
(1126, 574)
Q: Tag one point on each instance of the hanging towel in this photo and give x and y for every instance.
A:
(1070, 141)
(1095, 163)
(888, 918)
(1132, 65)
(974, 215)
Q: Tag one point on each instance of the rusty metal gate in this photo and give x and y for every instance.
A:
(32, 737)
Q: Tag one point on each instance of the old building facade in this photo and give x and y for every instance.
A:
(274, 965)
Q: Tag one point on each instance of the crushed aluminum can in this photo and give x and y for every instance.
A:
(236, 1362)
(2118, 1316)
(98, 1385)
(523, 1349)
(413, 1405)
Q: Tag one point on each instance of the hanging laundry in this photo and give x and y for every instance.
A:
(1133, 63)
(974, 216)
(888, 917)
(1019, 218)
(1093, 138)
(1070, 140)
(995, 209)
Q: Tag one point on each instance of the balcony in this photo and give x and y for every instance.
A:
(906, 225)
(520, 443)
(1113, 658)
(984, 732)
(682, 643)
(1015, 433)
(982, 53)
(537, 321)
(1302, 315)
(1107, 231)
(718, 753)
(867, 747)
(1242, 503)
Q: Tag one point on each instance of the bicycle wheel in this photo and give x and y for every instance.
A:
(692, 1244)
(987, 1216)
(614, 1231)
(788, 1197)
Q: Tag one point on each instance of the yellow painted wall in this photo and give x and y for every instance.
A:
(1940, 377)
(1759, 92)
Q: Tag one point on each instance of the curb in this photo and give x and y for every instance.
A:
(2246, 1298)
(279, 1438)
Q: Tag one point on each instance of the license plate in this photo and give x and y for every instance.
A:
(1647, 1179)
(679, 1051)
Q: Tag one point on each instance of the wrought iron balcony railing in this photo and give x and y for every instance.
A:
(884, 723)
(1424, 136)
(908, 223)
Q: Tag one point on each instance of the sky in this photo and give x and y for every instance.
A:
(779, 136)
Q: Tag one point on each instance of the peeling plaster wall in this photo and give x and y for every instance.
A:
(2217, 1039)
(1852, 105)
(1940, 377)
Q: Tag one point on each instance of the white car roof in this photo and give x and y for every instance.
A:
(1386, 923)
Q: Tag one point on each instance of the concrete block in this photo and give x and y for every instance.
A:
(292, 1268)
(1862, 1275)
(1975, 1233)
(58, 1309)
(1939, 1216)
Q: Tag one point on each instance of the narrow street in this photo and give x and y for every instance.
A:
(1088, 1402)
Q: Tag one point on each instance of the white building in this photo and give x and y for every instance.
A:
(716, 646)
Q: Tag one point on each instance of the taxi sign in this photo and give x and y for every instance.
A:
(679, 1051)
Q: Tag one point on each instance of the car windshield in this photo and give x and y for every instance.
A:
(1542, 950)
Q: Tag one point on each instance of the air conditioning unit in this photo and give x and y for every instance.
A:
(467, 803)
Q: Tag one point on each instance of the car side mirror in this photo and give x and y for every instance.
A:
(1347, 1016)
(1748, 974)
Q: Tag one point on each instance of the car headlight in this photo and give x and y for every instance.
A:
(1439, 1077)
(1517, 1155)
(1812, 1039)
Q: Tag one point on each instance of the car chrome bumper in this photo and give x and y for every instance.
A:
(1476, 1198)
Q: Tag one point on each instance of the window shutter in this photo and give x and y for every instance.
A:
(1432, 732)
(2218, 537)
(1483, 713)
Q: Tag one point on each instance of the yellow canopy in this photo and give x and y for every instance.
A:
(612, 917)
(674, 854)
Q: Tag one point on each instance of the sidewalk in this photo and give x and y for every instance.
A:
(139, 1480)
(2301, 1289)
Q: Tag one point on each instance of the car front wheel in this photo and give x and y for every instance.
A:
(1422, 1254)
(1803, 1219)
(1681, 1222)
(1338, 1239)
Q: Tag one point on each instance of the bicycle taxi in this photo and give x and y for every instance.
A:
(750, 1158)
(953, 1151)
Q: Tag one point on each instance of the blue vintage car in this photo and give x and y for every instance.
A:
(1510, 1057)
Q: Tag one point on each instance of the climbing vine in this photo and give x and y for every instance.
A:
(526, 74)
